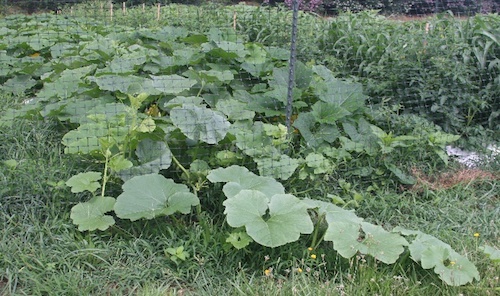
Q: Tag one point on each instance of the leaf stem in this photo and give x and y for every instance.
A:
(105, 175)
(303, 191)
(315, 241)
(183, 169)
(201, 88)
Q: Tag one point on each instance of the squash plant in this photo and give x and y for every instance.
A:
(145, 103)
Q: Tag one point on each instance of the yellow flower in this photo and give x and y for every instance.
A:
(267, 272)
(476, 234)
(313, 256)
(299, 270)
(309, 249)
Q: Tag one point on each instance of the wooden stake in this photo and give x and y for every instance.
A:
(102, 8)
(234, 20)
(158, 12)
(124, 8)
(143, 7)
(111, 10)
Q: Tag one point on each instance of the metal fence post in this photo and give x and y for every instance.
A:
(291, 72)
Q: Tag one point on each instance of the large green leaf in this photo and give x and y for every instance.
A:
(342, 94)
(225, 76)
(171, 84)
(255, 142)
(328, 113)
(199, 123)
(452, 268)
(492, 252)
(127, 63)
(153, 157)
(256, 54)
(287, 217)
(313, 133)
(128, 84)
(73, 108)
(350, 234)
(90, 215)
(87, 181)
(235, 110)
(319, 163)
(64, 86)
(19, 84)
(431, 252)
(87, 138)
(153, 195)
(281, 167)
(240, 178)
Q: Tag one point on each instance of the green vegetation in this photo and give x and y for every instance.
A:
(156, 161)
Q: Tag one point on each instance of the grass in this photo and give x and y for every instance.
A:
(42, 252)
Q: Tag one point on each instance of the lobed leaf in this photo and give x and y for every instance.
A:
(199, 123)
(153, 195)
(84, 181)
(287, 217)
(90, 215)
(350, 234)
(240, 178)
(451, 267)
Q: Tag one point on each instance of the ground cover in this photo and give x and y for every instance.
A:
(195, 107)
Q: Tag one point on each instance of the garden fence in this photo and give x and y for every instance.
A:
(189, 87)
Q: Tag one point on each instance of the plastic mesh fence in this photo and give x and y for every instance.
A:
(156, 87)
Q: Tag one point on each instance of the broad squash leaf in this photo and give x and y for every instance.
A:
(287, 217)
(199, 123)
(451, 267)
(153, 195)
(84, 181)
(90, 215)
(350, 234)
(239, 178)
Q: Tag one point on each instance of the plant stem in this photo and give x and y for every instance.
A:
(183, 169)
(201, 88)
(199, 213)
(105, 174)
(303, 191)
(315, 241)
